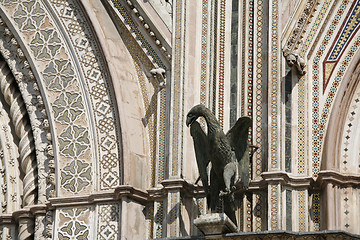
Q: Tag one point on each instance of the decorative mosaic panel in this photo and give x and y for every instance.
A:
(62, 81)
(77, 28)
(346, 209)
(259, 78)
(221, 67)
(350, 163)
(320, 118)
(48, 50)
(76, 176)
(160, 212)
(174, 214)
(243, 57)
(247, 213)
(316, 210)
(178, 90)
(74, 223)
(200, 204)
(301, 90)
(274, 206)
(213, 57)
(108, 221)
(250, 59)
(301, 143)
(204, 54)
(259, 211)
(274, 84)
(349, 29)
(302, 211)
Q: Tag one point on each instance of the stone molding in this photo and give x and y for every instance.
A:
(337, 178)
(145, 25)
(294, 39)
(283, 234)
(6, 219)
(24, 213)
(290, 50)
(180, 185)
(190, 190)
(286, 179)
(161, 9)
(120, 192)
(26, 96)
(19, 118)
(141, 196)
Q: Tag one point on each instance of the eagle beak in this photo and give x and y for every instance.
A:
(189, 121)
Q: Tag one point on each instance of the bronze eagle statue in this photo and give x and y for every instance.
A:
(228, 154)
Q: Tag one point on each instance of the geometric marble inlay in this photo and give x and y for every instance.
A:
(349, 28)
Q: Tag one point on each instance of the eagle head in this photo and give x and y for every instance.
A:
(194, 113)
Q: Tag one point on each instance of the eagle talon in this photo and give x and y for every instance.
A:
(225, 193)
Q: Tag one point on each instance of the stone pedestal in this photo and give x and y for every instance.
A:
(215, 223)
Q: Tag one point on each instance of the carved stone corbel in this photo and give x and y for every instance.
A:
(294, 59)
(160, 74)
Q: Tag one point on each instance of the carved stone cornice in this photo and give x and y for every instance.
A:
(89, 199)
(284, 178)
(288, 179)
(24, 213)
(156, 193)
(6, 219)
(133, 193)
(324, 177)
(182, 185)
(337, 178)
(281, 234)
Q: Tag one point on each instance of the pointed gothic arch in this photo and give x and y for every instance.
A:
(339, 176)
(71, 142)
(22, 128)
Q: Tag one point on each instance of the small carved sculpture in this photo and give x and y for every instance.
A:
(294, 59)
(160, 74)
(228, 154)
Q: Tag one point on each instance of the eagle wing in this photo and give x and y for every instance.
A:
(201, 145)
(238, 138)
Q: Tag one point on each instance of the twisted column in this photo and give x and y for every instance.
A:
(23, 130)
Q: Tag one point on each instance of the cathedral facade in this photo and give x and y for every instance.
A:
(93, 102)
